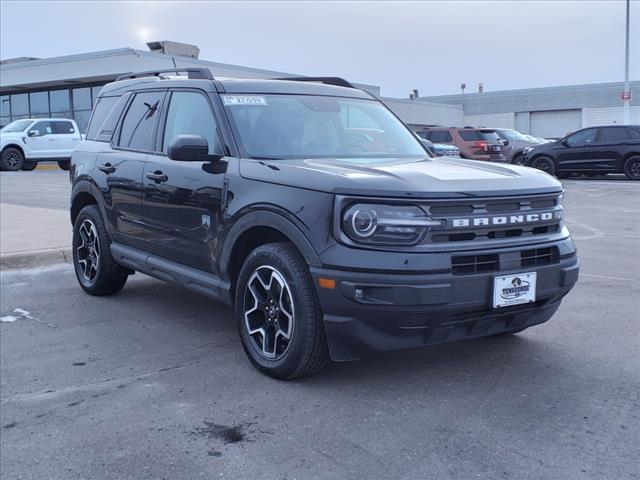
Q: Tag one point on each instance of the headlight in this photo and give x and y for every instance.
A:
(528, 149)
(378, 224)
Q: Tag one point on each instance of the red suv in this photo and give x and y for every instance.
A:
(474, 143)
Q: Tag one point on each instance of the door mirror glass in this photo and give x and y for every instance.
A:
(190, 148)
(34, 133)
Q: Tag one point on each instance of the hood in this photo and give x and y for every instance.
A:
(428, 178)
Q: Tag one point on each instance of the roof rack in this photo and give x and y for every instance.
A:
(192, 73)
(337, 81)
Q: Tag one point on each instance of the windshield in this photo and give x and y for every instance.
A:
(16, 126)
(307, 126)
(514, 135)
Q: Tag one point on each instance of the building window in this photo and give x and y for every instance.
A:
(5, 106)
(82, 119)
(82, 98)
(59, 101)
(39, 102)
(20, 105)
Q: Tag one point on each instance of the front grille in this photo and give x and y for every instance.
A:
(470, 264)
(474, 264)
(471, 220)
(539, 256)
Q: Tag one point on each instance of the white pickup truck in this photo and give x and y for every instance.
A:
(23, 143)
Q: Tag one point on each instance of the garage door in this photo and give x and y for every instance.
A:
(555, 123)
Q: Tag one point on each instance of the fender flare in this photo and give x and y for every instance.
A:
(265, 218)
(85, 186)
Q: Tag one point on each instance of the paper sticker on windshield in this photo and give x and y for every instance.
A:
(244, 100)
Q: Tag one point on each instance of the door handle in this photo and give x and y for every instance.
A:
(52, 139)
(107, 168)
(157, 176)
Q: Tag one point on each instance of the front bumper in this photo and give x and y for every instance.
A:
(380, 311)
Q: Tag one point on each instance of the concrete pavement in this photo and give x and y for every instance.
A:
(34, 218)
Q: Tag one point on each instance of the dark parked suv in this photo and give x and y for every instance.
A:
(592, 151)
(327, 244)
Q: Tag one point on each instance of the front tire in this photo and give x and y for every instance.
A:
(95, 269)
(545, 164)
(278, 314)
(11, 160)
(64, 164)
(518, 159)
(632, 168)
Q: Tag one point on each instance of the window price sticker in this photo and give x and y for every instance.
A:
(244, 100)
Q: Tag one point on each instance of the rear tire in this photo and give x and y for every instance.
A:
(64, 164)
(11, 159)
(545, 164)
(95, 268)
(28, 166)
(632, 168)
(275, 300)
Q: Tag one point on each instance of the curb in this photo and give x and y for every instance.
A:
(35, 258)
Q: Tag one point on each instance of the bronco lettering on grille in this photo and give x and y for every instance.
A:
(502, 220)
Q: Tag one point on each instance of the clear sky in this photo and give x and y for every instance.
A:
(431, 45)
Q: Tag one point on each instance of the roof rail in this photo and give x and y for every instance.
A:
(337, 81)
(193, 73)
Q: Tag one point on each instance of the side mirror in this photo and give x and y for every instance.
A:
(191, 148)
(564, 142)
(505, 142)
(33, 133)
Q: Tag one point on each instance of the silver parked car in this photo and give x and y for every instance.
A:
(514, 144)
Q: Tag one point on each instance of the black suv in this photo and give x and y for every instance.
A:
(592, 151)
(314, 211)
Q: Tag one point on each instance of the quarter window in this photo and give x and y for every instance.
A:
(137, 131)
(190, 113)
(614, 134)
(102, 122)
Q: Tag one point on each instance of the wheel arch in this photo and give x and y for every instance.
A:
(17, 147)
(259, 228)
(83, 193)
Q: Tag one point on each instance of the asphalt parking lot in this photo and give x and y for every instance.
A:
(153, 383)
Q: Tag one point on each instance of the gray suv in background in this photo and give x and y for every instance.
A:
(514, 145)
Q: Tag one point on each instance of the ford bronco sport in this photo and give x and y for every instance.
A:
(265, 195)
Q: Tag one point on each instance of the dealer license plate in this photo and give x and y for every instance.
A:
(514, 289)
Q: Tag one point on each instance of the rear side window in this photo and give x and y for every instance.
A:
(63, 127)
(614, 134)
(476, 135)
(440, 136)
(101, 114)
(138, 125)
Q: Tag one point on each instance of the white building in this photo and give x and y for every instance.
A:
(546, 112)
(68, 86)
